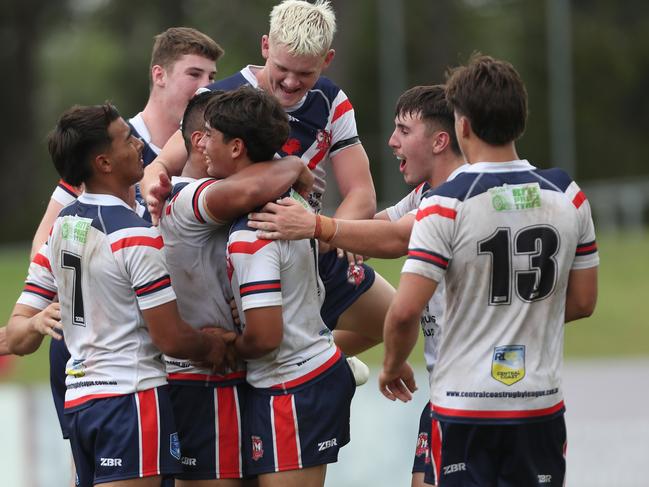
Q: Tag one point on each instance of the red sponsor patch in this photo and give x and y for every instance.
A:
(291, 146)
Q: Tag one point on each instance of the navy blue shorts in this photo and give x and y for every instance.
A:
(124, 437)
(511, 455)
(59, 357)
(300, 427)
(428, 449)
(340, 294)
(209, 421)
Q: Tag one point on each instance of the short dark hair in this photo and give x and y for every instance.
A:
(194, 116)
(491, 94)
(79, 135)
(253, 116)
(429, 104)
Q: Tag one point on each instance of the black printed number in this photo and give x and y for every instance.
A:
(537, 280)
(73, 262)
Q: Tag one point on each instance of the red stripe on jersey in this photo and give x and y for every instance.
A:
(341, 109)
(470, 413)
(162, 283)
(419, 186)
(42, 261)
(41, 291)
(588, 248)
(84, 399)
(149, 434)
(436, 210)
(251, 288)
(156, 243)
(247, 247)
(429, 257)
(68, 188)
(207, 377)
(197, 193)
(436, 448)
(311, 375)
(313, 162)
(579, 199)
(173, 200)
(228, 433)
(285, 433)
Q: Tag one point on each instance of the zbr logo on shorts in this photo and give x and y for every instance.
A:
(257, 448)
(174, 446)
(508, 364)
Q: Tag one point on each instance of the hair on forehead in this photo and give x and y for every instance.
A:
(304, 28)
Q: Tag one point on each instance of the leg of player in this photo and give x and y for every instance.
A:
(363, 320)
(306, 477)
(143, 482)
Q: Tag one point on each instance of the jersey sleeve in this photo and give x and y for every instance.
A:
(138, 252)
(40, 286)
(256, 264)
(64, 194)
(431, 242)
(343, 124)
(187, 212)
(586, 255)
(406, 205)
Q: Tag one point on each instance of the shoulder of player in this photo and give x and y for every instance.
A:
(229, 83)
(327, 87)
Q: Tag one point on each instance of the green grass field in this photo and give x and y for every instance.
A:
(619, 327)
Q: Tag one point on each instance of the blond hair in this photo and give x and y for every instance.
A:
(304, 28)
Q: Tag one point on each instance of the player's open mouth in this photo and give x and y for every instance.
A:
(402, 162)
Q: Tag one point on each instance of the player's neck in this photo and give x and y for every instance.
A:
(480, 151)
(443, 167)
(195, 167)
(110, 187)
(160, 121)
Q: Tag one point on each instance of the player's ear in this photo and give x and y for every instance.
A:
(158, 75)
(237, 148)
(441, 139)
(265, 46)
(328, 58)
(101, 164)
(195, 138)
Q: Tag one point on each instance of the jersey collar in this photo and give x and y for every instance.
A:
(102, 200)
(510, 166)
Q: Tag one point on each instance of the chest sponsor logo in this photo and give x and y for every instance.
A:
(292, 146)
(516, 197)
(508, 364)
(257, 448)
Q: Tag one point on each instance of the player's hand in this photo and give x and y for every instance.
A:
(286, 219)
(235, 312)
(304, 182)
(155, 196)
(219, 340)
(399, 384)
(352, 259)
(47, 321)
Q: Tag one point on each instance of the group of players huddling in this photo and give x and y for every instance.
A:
(210, 349)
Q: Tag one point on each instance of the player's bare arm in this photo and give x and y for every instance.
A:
(400, 335)
(351, 168)
(176, 338)
(51, 212)
(581, 294)
(27, 327)
(263, 332)
(255, 185)
(288, 220)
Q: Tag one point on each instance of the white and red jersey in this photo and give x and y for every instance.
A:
(321, 125)
(408, 203)
(106, 265)
(505, 237)
(282, 273)
(64, 194)
(195, 246)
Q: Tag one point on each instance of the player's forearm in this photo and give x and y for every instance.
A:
(373, 238)
(170, 161)
(184, 343)
(400, 335)
(21, 336)
(250, 347)
(358, 204)
(4, 348)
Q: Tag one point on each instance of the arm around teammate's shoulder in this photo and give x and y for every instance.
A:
(581, 295)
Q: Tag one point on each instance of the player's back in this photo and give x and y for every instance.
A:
(510, 236)
(195, 252)
(100, 256)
